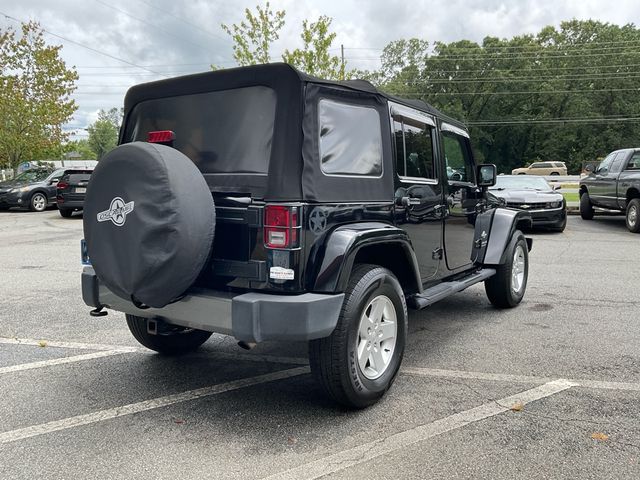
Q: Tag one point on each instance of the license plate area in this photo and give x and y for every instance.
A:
(81, 190)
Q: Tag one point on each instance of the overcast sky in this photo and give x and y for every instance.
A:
(173, 37)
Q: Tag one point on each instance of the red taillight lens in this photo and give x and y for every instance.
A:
(161, 136)
(62, 185)
(280, 226)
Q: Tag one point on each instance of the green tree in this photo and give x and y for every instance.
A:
(103, 133)
(314, 57)
(35, 89)
(252, 38)
(80, 147)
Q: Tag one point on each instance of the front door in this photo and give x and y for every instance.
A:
(418, 194)
(461, 197)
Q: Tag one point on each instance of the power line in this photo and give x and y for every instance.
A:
(527, 92)
(185, 21)
(85, 46)
(572, 120)
(151, 25)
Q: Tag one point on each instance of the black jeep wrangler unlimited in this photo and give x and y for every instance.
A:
(265, 204)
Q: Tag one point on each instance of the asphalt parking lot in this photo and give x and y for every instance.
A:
(550, 389)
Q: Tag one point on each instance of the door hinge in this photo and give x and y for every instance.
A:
(437, 254)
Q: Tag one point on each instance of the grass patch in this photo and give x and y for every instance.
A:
(571, 196)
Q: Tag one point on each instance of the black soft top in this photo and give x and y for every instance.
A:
(293, 172)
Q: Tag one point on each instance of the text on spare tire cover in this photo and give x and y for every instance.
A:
(117, 212)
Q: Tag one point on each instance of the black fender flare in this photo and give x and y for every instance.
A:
(503, 223)
(333, 266)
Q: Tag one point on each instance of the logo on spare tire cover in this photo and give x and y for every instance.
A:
(117, 212)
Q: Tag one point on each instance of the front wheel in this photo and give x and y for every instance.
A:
(586, 208)
(633, 215)
(172, 340)
(38, 202)
(359, 361)
(506, 288)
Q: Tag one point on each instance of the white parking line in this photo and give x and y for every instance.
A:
(250, 357)
(499, 377)
(60, 361)
(368, 451)
(108, 414)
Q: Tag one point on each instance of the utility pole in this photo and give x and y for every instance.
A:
(342, 56)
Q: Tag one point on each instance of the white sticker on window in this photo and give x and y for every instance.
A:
(280, 273)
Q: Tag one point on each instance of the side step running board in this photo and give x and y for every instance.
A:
(444, 289)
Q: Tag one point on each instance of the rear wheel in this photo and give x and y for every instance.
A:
(65, 212)
(506, 288)
(359, 361)
(633, 215)
(38, 202)
(172, 340)
(586, 209)
(555, 174)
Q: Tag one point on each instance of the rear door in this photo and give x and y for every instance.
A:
(461, 197)
(418, 191)
(603, 190)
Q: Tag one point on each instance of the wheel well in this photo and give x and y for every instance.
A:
(393, 257)
(632, 193)
(523, 223)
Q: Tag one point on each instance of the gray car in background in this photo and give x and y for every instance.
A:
(33, 189)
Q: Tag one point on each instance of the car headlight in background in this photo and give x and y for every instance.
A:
(557, 204)
(21, 189)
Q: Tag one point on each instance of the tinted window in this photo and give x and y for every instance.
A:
(457, 158)
(616, 164)
(77, 177)
(228, 131)
(414, 149)
(537, 165)
(350, 139)
(606, 163)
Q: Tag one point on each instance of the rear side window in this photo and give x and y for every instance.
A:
(350, 139)
(222, 132)
(414, 149)
(634, 163)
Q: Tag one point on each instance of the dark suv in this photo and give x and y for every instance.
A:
(266, 204)
(71, 191)
(34, 189)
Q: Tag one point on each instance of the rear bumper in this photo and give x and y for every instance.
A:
(249, 317)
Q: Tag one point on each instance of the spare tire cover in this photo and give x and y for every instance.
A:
(149, 221)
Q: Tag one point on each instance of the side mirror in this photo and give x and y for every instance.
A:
(588, 168)
(557, 187)
(54, 181)
(487, 173)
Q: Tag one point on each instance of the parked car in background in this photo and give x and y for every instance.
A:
(542, 168)
(33, 189)
(547, 207)
(614, 185)
(71, 190)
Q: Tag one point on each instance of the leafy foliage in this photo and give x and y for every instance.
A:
(103, 133)
(567, 93)
(253, 37)
(314, 57)
(35, 89)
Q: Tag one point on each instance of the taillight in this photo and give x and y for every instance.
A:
(161, 136)
(281, 226)
(62, 185)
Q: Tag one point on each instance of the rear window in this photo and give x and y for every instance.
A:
(77, 177)
(223, 132)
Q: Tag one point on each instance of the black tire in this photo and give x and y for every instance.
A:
(554, 173)
(586, 208)
(38, 202)
(522, 173)
(65, 212)
(334, 359)
(176, 341)
(633, 215)
(501, 290)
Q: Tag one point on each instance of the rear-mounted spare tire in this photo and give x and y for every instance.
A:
(149, 221)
